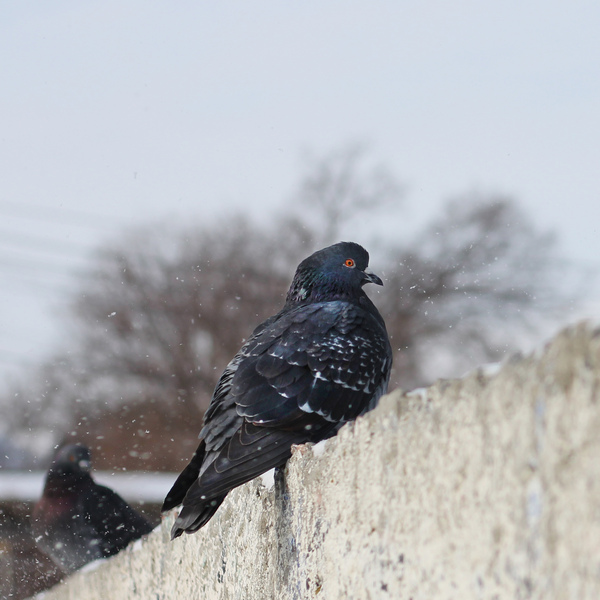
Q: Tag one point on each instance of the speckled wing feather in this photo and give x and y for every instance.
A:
(329, 358)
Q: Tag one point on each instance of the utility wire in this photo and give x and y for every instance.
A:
(24, 286)
(34, 243)
(46, 213)
(18, 264)
(8, 357)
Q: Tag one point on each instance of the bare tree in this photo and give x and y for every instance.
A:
(162, 312)
(170, 309)
(474, 283)
(341, 186)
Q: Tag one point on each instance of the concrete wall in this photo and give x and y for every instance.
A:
(484, 487)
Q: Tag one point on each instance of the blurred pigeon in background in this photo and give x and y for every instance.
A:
(76, 520)
(324, 359)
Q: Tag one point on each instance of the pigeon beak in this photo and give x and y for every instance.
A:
(370, 277)
(85, 464)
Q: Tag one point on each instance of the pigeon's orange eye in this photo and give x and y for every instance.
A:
(349, 262)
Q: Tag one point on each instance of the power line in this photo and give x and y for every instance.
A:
(44, 263)
(18, 264)
(28, 287)
(8, 357)
(32, 243)
(37, 275)
(46, 213)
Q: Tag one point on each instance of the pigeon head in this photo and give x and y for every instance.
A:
(338, 271)
(72, 459)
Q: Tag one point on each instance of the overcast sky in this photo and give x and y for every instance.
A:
(115, 113)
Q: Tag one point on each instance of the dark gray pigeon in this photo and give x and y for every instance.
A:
(324, 359)
(76, 520)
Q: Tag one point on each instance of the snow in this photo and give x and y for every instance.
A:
(21, 486)
(92, 566)
(268, 479)
(134, 486)
(491, 369)
(138, 486)
(420, 393)
(319, 448)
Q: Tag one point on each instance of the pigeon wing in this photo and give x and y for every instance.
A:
(313, 369)
(332, 359)
(297, 379)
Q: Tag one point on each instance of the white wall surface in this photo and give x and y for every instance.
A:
(484, 487)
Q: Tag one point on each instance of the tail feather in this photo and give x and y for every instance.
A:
(185, 480)
(238, 463)
(251, 451)
(205, 494)
(192, 518)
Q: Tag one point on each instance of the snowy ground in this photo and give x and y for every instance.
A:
(134, 486)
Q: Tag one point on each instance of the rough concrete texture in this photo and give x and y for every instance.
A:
(484, 487)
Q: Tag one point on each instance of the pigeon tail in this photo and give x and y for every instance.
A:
(194, 517)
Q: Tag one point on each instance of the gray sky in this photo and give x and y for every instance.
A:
(114, 113)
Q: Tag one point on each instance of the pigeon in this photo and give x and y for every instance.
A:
(77, 521)
(323, 360)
